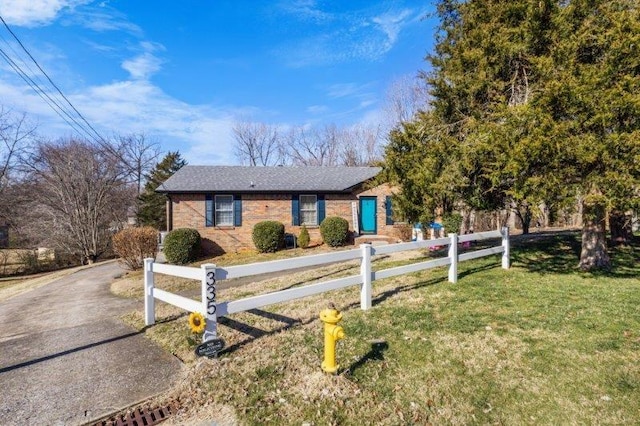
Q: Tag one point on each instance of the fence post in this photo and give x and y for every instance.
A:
(453, 256)
(149, 302)
(209, 306)
(505, 245)
(365, 271)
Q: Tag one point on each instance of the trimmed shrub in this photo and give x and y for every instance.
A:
(133, 245)
(268, 236)
(182, 245)
(334, 231)
(304, 239)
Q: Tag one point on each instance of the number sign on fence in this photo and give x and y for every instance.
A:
(209, 301)
(209, 273)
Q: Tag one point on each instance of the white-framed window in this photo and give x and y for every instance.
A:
(224, 210)
(309, 210)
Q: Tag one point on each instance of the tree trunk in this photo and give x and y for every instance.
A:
(466, 221)
(620, 225)
(594, 246)
(545, 215)
(525, 218)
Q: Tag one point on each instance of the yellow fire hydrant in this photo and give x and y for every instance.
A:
(332, 333)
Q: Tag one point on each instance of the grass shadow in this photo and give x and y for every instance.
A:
(254, 333)
(378, 299)
(559, 253)
(471, 271)
(376, 353)
(318, 277)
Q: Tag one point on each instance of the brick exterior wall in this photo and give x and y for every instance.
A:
(381, 192)
(189, 212)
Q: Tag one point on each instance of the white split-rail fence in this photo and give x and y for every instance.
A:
(209, 274)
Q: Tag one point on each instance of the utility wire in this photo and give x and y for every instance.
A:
(17, 56)
(58, 109)
(45, 95)
(100, 138)
(29, 79)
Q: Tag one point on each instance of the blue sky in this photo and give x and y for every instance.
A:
(183, 72)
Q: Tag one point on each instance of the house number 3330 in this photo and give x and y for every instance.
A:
(211, 293)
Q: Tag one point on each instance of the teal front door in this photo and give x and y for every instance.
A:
(368, 215)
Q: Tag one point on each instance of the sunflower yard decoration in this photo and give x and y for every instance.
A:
(197, 322)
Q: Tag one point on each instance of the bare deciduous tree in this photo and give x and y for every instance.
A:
(361, 146)
(139, 155)
(79, 197)
(257, 144)
(15, 136)
(405, 97)
(314, 147)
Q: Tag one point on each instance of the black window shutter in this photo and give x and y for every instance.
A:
(237, 210)
(295, 210)
(321, 209)
(209, 210)
(389, 208)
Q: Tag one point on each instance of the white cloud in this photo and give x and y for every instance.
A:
(392, 23)
(367, 102)
(202, 133)
(305, 10)
(142, 66)
(362, 93)
(317, 109)
(35, 12)
(99, 47)
(359, 35)
(342, 90)
(105, 20)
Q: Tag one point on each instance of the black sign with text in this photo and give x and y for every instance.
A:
(210, 348)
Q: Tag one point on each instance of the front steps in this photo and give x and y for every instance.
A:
(375, 240)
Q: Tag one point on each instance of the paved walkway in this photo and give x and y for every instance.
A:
(65, 358)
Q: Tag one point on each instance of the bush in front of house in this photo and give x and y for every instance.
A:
(268, 236)
(334, 231)
(133, 245)
(304, 239)
(182, 246)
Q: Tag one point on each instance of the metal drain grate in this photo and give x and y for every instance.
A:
(140, 416)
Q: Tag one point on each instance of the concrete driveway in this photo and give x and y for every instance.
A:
(65, 358)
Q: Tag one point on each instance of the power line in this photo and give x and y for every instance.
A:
(57, 108)
(29, 79)
(100, 138)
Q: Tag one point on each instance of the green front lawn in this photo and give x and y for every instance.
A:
(541, 343)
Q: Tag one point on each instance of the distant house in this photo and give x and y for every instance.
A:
(225, 202)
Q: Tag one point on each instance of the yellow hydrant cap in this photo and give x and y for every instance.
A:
(331, 316)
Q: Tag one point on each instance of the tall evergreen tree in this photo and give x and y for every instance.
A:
(484, 71)
(594, 97)
(152, 210)
(538, 101)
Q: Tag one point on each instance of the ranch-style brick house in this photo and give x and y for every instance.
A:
(225, 202)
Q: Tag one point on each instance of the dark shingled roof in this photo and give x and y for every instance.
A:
(266, 179)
